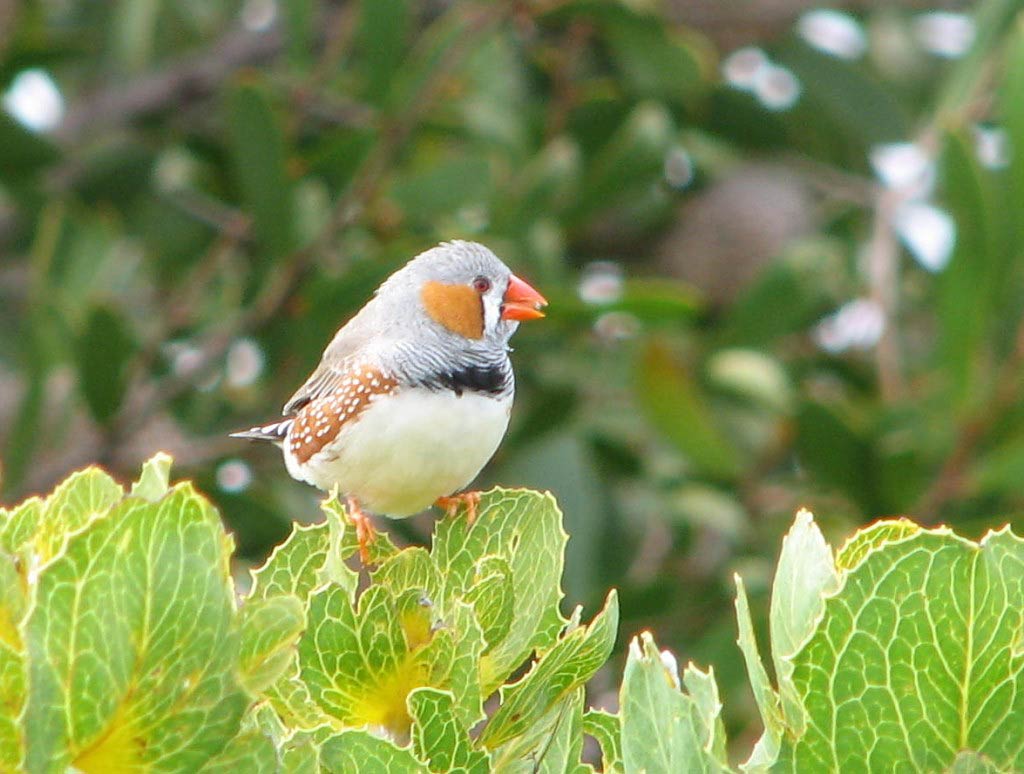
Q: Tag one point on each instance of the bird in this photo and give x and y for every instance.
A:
(412, 396)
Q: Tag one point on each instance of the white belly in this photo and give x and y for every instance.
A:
(405, 451)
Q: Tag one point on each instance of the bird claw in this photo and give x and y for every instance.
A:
(450, 504)
(365, 533)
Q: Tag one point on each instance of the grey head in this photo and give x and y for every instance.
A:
(453, 292)
(452, 333)
(443, 320)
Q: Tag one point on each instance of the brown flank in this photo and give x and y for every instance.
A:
(320, 420)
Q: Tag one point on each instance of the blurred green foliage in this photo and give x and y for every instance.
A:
(229, 181)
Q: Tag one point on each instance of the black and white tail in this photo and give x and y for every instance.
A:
(275, 432)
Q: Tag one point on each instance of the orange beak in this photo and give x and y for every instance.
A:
(521, 302)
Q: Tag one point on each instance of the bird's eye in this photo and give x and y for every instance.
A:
(481, 284)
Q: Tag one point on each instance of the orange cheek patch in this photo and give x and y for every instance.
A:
(457, 307)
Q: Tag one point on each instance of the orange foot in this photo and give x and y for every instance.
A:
(365, 532)
(451, 504)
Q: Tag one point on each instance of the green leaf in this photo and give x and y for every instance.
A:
(23, 152)
(133, 33)
(311, 556)
(290, 698)
(361, 661)
(561, 751)
(439, 738)
(658, 300)
(976, 276)
(562, 669)
(664, 728)
(300, 26)
(248, 753)
(261, 719)
(345, 544)
(871, 538)
(843, 110)
(606, 729)
(359, 752)
(12, 665)
(766, 750)
(465, 677)
(412, 568)
(452, 30)
(967, 762)
(155, 479)
(384, 27)
(546, 183)
(295, 567)
(495, 106)
(674, 404)
(990, 20)
(551, 744)
(786, 297)
(753, 377)
(259, 158)
(301, 754)
(269, 630)
(493, 598)
(632, 158)
(21, 524)
(1011, 108)
(834, 451)
(80, 499)
(805, 574)
(23, 433)
(104, 352)
(654, 58)
(918, 657)
(443, 187)
(523, 529)
(704, 691)
(133, 641)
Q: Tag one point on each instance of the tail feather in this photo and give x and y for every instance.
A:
(274, 432)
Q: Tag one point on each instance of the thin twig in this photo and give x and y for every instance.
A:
(952, 478)
(564, 85)
(882, 258)
(186, 81)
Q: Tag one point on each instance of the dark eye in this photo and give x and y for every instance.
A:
(481, 284)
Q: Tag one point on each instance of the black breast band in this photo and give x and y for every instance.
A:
(488, 380)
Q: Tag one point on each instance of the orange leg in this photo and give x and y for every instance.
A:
(365, 532)
(451, 504)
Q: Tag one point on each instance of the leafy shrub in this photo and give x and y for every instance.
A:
(228, 185)
(123, 646)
